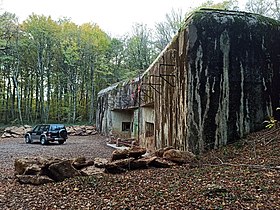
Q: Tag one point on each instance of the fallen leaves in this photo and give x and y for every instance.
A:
(209, 185)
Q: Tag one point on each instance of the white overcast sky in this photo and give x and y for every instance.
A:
(115, 17)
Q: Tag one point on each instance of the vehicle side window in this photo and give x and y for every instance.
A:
(46, 128)
(36, 128)
(41, 128)
(54, 127)
(60, 127)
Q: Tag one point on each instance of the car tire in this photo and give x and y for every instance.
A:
(43, 140)
(63, 133)
(61, 142)
(27, 139)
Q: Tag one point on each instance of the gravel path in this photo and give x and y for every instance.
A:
(87, 146)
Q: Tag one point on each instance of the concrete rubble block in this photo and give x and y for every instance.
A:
(27, 127)
(70, 130)
(23, 163)
(9, 129)
(90, 130)
(100, 162)
(81, 162)
(79, 131)
(159, 152)
(178, 156)
(119, 154)
(118, 165)
(62, 170)
(136, 151)
(34, 180)
(18, 130)
(142, 163)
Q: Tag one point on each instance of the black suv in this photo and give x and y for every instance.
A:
(46, 133)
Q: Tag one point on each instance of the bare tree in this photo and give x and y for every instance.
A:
(276, 9)
(165, 30)
(262, 7)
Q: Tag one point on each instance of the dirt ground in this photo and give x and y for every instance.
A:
(244, 175)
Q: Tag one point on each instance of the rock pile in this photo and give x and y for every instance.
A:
(81, 130)
(16, 132)
(39, 170)
(75, 130)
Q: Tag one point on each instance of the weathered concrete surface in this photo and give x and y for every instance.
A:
(111, 104)
(217, 81)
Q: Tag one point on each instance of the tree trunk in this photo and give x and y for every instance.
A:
(41, 77)
(91, 109)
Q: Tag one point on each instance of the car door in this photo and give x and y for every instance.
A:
(34, 131)
(52, 131)
(37, 131)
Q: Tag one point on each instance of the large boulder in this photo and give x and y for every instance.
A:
(18, 130)
(35, 180)
(63, 170)
(34, 170)
(38, 170)
(25, 165)
(134, 152)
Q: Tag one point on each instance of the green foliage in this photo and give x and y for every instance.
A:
(140, 49)
(271, 122)
(53, 70)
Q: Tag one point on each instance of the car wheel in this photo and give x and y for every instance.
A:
(43, 140)
(61, 142)
(27, 139)
(63, 133)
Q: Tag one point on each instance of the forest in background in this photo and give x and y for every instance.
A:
(51, 70)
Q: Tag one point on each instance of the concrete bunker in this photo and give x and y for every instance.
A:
(217, 81)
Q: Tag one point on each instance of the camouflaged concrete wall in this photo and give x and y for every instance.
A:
(115, 104)
(226, 80)
(216, 82)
